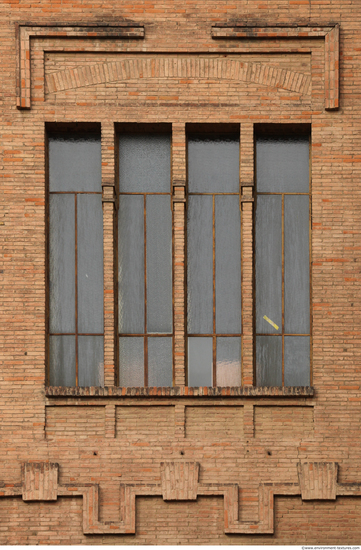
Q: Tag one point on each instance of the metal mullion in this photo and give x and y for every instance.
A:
(310, 251)
(275, 334)
(76, 292)
(282, 193)
(173, 290)
(145, 293)
(283, 290)
(142, 194)
(75, 192)
(214, 341)
(212, 194)
(141, 335)
(216, 334)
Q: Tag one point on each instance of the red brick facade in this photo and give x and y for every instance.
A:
(179, 465)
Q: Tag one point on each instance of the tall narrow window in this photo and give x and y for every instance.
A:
(214, 261)
(282, 261)
(76, 332)
(145, 260)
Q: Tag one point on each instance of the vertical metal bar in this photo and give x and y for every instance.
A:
(47, 261)
(214, 287)
(283, 289)
(145, 360)
(173, 291)
(310, 256)
(145, 294)
(76, 292)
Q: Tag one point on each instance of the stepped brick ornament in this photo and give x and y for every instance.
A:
(180, 481)
(330, 33)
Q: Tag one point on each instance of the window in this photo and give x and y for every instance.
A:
(145, 309)
(180, 270)
(75, 267)
(282, 259)
(214, 259)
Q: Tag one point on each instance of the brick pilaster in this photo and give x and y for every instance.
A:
(179, 214)
(109, 197)
(247, 188)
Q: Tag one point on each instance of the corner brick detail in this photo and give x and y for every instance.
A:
(24, 34)
(330, 33)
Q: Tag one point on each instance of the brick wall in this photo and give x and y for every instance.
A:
(162, 62)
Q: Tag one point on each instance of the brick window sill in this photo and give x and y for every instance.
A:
(180, 391)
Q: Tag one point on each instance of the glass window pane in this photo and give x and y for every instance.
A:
(297, 265)
(269, 360)
(131, 362)
(200, 362)
(62, 360)
(200, 265)
(90, 263)
(131, 264)
(213, 165)
(229, 361)
(144, 163)
(91, 360)
(75, 163)
(160, 369)
(297, 360)
(268, 263)
(62, 263)
(228, 264)
(159, 264)
(282, 165)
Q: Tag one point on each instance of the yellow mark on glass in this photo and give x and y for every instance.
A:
(270, 322)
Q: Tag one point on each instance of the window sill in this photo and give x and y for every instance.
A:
(180, 391)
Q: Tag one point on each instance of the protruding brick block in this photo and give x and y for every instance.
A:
(179, 480)
(318, 480)
(40, 481)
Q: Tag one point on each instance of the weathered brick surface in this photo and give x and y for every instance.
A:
(141, 62)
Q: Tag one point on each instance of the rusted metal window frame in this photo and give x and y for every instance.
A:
(277, 129)
(142, 129)
(58, 129)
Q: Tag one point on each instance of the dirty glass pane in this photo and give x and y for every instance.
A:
(159, 264)
(297, 360)
(268, 263)
(91, 360)
(144, 163)
(229, 361)
(75, 163)
(297, 267)
(131, 361)
(200, 265)
(160, 369)
(90, 263)
(213, 165)
(282, 165)
(269, 360)
(228, 264)
(131, 264)
(62, 263)
(62, 360)
(200, 361)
